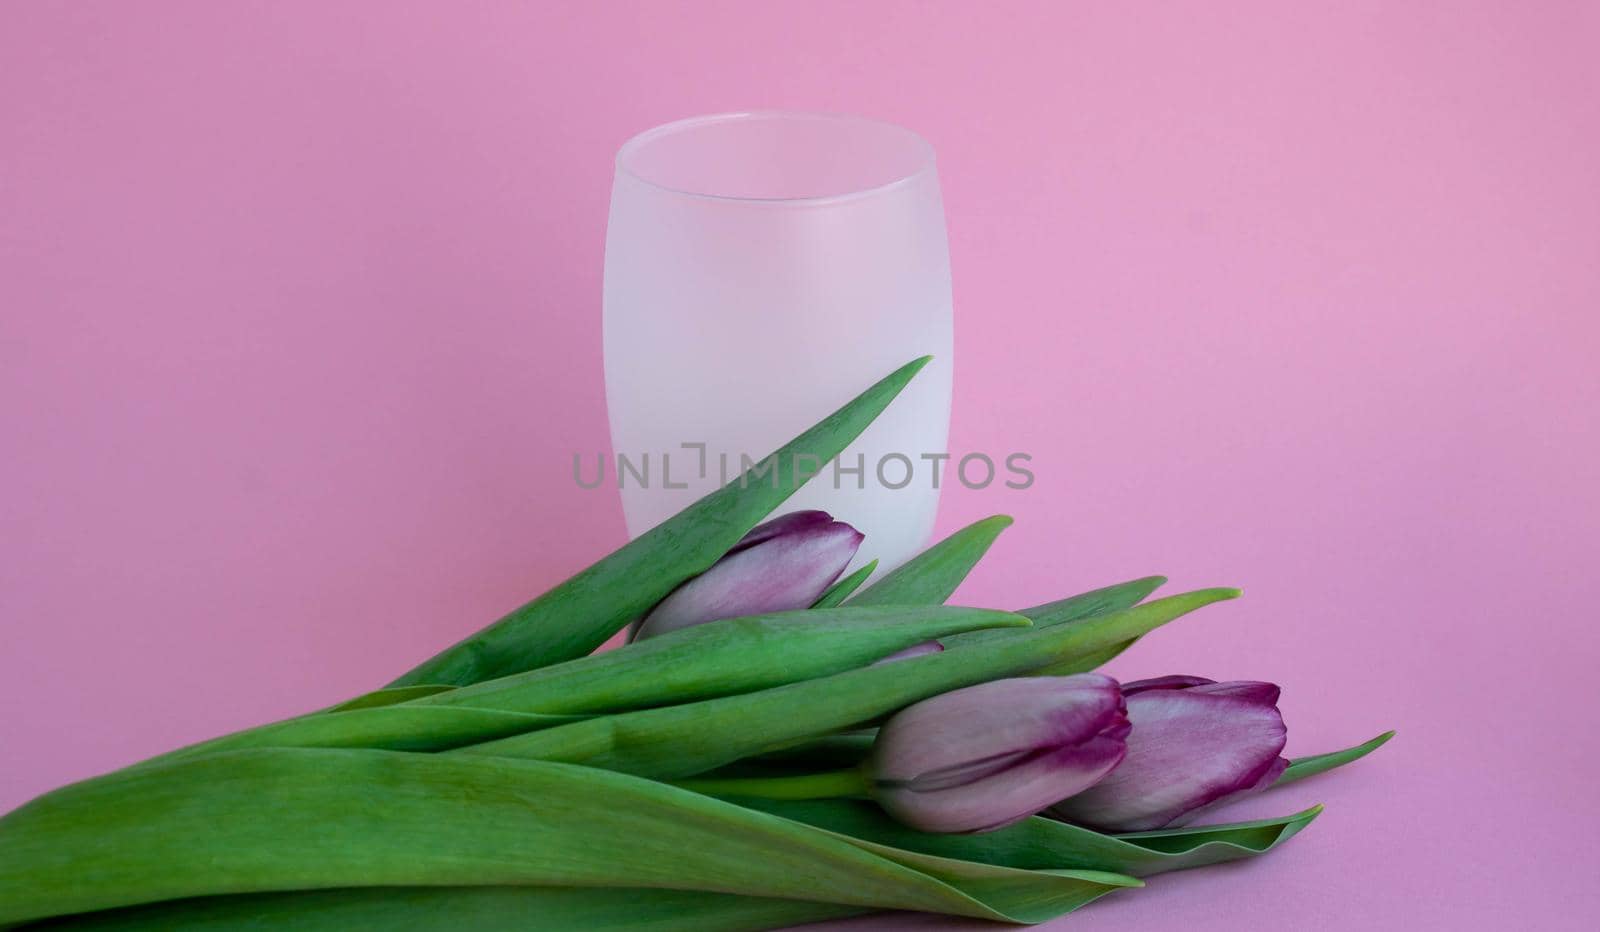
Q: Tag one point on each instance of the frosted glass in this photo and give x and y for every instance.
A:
(761, 269)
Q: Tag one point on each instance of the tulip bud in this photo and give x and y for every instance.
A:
(980, 758)
(1196, 744)
(783, 565)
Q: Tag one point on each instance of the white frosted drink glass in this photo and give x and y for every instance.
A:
(761, 270)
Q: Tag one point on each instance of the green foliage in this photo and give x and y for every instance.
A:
(513, 781)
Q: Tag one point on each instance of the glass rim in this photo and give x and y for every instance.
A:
(925, 155)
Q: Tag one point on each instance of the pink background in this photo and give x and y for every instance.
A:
(301, 327)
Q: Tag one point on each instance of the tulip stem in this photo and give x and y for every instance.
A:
(828, 785)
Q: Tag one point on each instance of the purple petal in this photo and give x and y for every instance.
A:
(1249, 690)
(783, 524)
(1019, 790)
(1269, 776)
(967, 771)
(995, 722)
(781, 573)
(1189, 749)
(1176, 681)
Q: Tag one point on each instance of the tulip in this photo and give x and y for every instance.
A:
(983, 757)
(1196, 744)
(782, 565)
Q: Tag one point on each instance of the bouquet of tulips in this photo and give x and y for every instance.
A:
(774, 745)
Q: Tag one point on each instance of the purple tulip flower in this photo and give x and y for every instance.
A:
(980, 758)
(782, 565)
(1196, 744)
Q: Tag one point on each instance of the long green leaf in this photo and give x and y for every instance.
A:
(1034, 844)
(390, 728)
(830, 752)
(389, 696)
(720, 658)
(454, 909)
(736, 655)
(1119, 597)
(577, 616)
(683, 740)
(1045, 844)
(842, 589)
(839, 751)
(1095, 602)
(284, 819)
(1302, 767)
(1090, 605)
(932, 576)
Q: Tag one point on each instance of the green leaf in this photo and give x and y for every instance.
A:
(390, 728)
(841, 590)
(720, 658)
(1090, 604)
(1033, 844)
(577, 616)
(1041, 843)
(284, 819)
(830, 752)
(1302, 767)
(835, 751)
(391, 696)
(683, 740)
(932, 575)
(1094, 603)
(727, 657)
(453, 909)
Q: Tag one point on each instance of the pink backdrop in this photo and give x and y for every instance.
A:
(301, 326)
